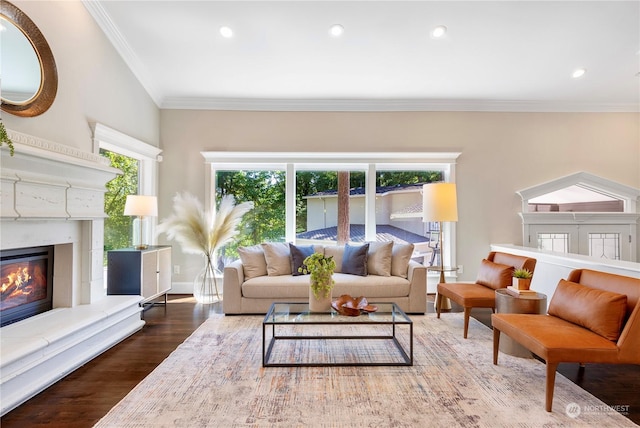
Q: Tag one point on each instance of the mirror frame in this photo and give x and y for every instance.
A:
(41, 102)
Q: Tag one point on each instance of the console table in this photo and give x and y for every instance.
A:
(143, 272)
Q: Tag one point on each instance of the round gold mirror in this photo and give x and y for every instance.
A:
(29, 76)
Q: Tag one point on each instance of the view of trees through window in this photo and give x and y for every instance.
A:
(117, 227)
(267, 190)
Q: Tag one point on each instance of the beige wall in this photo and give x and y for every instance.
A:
(94, 83)
(501, 153)
(96, 86)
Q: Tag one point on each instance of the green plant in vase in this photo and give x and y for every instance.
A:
(321, 269)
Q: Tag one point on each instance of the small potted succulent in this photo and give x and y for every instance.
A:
(522, 279)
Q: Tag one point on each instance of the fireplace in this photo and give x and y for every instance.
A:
(27, 283)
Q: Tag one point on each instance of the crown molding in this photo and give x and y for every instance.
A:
(383, 105)
(121, 45)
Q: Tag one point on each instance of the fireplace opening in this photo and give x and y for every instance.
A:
(27, 283)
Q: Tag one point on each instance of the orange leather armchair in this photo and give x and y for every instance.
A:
(495, 272)
(593, 317)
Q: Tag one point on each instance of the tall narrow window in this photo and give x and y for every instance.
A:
(117, 226)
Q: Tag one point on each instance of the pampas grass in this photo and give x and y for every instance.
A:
(200, 231)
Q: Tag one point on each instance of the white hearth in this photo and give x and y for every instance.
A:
(52, 194)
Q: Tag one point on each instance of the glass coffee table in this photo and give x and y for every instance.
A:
(293, 337)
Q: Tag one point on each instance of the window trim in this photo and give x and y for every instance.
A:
(147, 155)
(369, 162)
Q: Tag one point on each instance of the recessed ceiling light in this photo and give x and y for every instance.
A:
(579, 72)
(336, 30)
(226, 32)
(439, 31)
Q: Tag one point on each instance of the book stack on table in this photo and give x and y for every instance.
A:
(516, 292)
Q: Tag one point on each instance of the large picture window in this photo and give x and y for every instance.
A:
(298, 197)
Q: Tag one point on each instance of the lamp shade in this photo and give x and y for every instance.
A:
(141, 205)
(439, 202)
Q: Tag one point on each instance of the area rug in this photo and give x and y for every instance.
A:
(216, 379)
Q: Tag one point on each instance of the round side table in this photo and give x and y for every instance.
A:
(508, 303)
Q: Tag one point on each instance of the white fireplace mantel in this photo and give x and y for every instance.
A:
(47, 180)
(52, 194)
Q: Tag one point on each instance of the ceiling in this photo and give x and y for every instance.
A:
(495, 56)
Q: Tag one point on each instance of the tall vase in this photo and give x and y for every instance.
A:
(322, 303)
(205, 284)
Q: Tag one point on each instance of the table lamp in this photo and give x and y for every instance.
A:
(141, 206)
(439, 203)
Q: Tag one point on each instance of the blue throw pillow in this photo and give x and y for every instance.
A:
(298, 254)
(354, 259)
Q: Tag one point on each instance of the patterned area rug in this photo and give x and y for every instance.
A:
(216, 379)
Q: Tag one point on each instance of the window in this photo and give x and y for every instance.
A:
(296, 193)
(604, 245)
(138, 162)
(558, 242)
(117, 226)
(582, 214)
(266, 189)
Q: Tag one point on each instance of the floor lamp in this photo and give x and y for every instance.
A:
(439, 203)
(141, 206)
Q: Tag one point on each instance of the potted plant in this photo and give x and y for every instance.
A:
(321, 269)
(522, 279)
(204, 232)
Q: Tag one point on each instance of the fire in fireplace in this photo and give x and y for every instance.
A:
(27, 283)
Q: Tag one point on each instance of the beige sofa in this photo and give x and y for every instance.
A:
(266, 273)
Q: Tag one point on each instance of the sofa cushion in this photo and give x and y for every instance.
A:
(400, 258)
(297, 255)
(371, 286)
(354, 259)
(253, 261)
(335, 251)
(494, 275)
(297, 287)
(277, 257)
(379, 258)
(600, 311)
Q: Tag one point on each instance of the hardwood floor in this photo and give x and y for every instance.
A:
(87, 394)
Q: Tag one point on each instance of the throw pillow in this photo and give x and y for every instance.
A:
(253, 261)
(298, 254)
(354, 259)
(600, 311)
(379, 258)
(494, 275)
(277, 257)
(400, 258)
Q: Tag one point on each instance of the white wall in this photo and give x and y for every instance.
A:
(94, 84)
(501, 153)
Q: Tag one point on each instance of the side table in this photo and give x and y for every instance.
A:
(508, 303)
(446, 303)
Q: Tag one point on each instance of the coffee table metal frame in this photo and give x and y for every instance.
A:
(281, 314)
